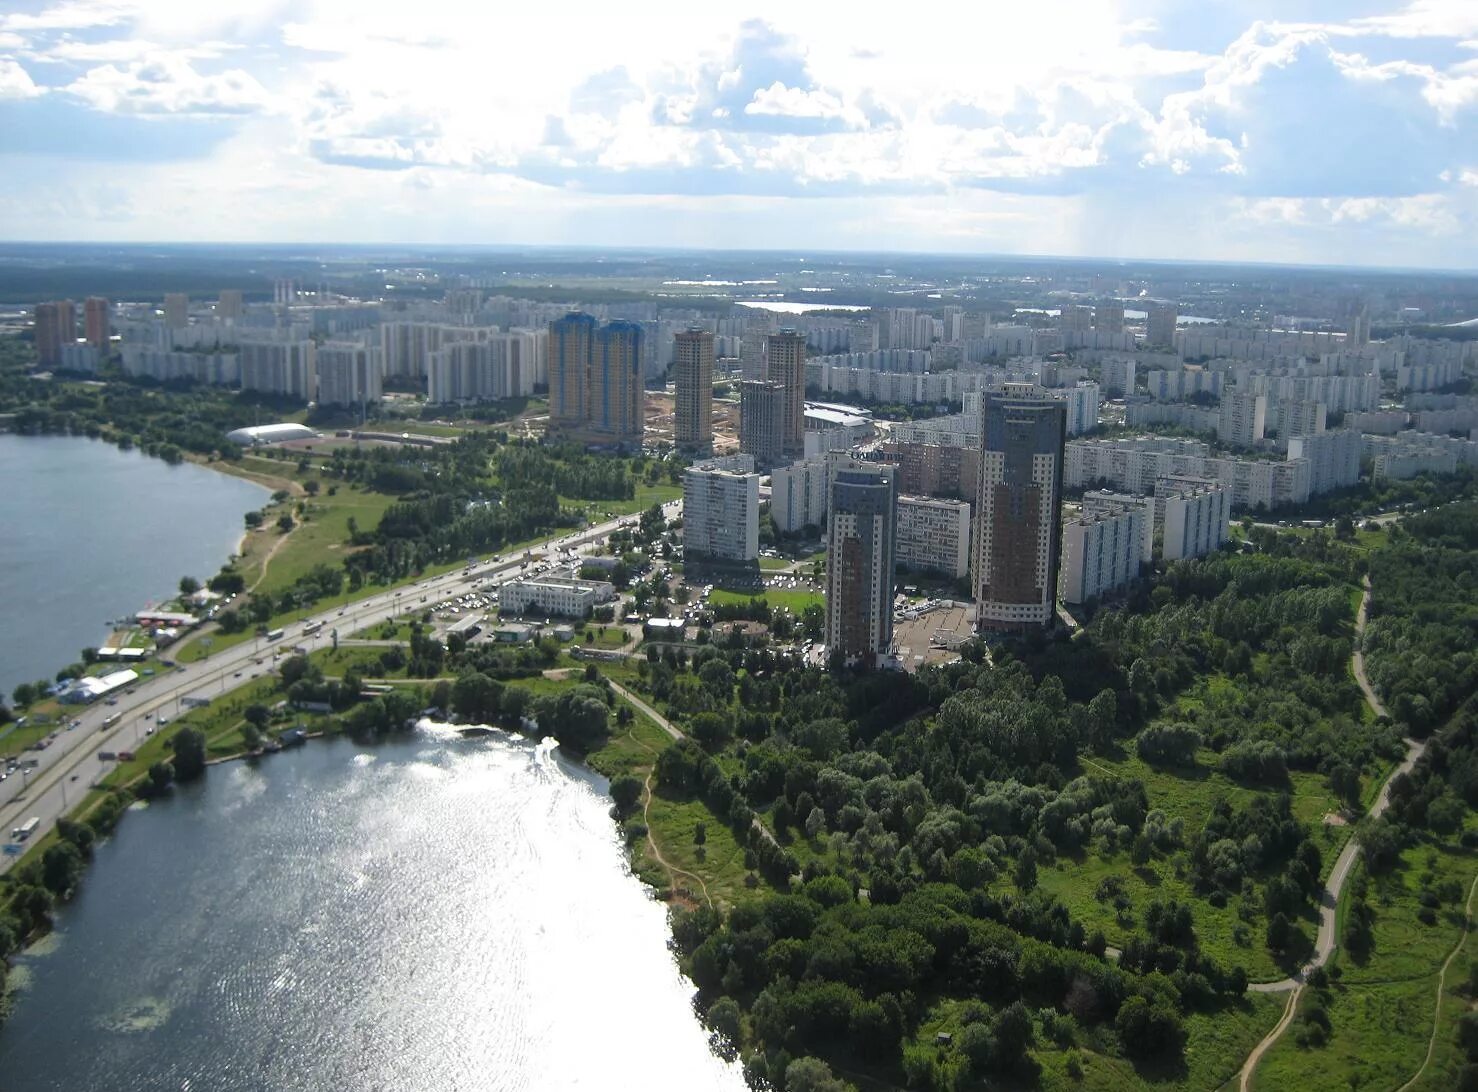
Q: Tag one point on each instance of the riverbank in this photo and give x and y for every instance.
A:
(285, 873)
(90, 533)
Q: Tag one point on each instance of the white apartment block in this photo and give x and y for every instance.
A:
(721, 510)
(1082, 403)
(800, 492)
(1428, 376)
(1196, 517)
(1380, 422)
(1102, 551)
(1177, 386)
(933, 536)
(217, 369)
(406, 347)
(1116, 375)
(80, 358)
(1134, 466)
(566, 597)
(1334, 458)
(280, 367)
(1297, 418)
(1243, 419)
(1408, 454)
(502, 365)
(1098, 502)
(1339, 393)
(348, 374)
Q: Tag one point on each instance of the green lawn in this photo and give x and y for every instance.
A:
(796, 600)
(646, 496)
(1381, 1008)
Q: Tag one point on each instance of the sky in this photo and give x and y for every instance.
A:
(1302, 131)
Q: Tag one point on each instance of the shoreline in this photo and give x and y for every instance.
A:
(193, 460)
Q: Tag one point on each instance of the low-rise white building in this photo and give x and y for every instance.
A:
(933, 536)
(721, 510)
(564, 596)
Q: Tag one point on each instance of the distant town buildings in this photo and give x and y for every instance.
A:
(693, 390)
(1019, 511)
(1160, 325)
(97, 323)
(176, 310)
(229, 307)
(56, 326)
(860, 557)
(499, 365)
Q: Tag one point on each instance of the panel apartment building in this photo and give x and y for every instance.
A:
(721, 510)
(596, 393)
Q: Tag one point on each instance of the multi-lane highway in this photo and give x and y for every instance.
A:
(70, 764)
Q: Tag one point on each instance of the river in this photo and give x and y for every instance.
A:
(90, 533)
(429, 914)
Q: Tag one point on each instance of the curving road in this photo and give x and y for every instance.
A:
(1324, 943)
(70, 764)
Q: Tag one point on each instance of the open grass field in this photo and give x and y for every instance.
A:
(796, 600)
(1232, 933)
(1381, 1008)
(646, 496)
(1216, 1045)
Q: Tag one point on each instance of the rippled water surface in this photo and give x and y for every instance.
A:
(430, 914)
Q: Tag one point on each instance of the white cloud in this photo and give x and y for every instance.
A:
(16, 82)
(777, 100)
(167, 83)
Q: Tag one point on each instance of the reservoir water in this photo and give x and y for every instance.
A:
(429, 914)
(90, 533)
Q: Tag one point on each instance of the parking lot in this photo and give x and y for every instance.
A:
(932, 636)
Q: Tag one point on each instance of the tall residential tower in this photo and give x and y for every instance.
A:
(692, 426)
(862, 525)
(1018, 538)
(595, 381)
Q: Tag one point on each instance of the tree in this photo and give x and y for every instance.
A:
(189, 754)
(476, 697)
(579, 717)
(61, 868)
(626, 793)
(23, 695)
(258, 715)
(285, 523)
(815, 824)
(813, 1075)
(189, 586)
(1025, 874)
(1149, 1028)
(700, 833)
(253, 520)
(1344, 782)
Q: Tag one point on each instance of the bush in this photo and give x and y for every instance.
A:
(1169, 744)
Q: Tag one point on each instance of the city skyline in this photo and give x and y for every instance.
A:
(1314, 133)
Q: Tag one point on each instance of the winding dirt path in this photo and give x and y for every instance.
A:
(1442, 984)
(1324, 943)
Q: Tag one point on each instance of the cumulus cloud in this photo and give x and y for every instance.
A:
(16, 82)
(167, 83)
